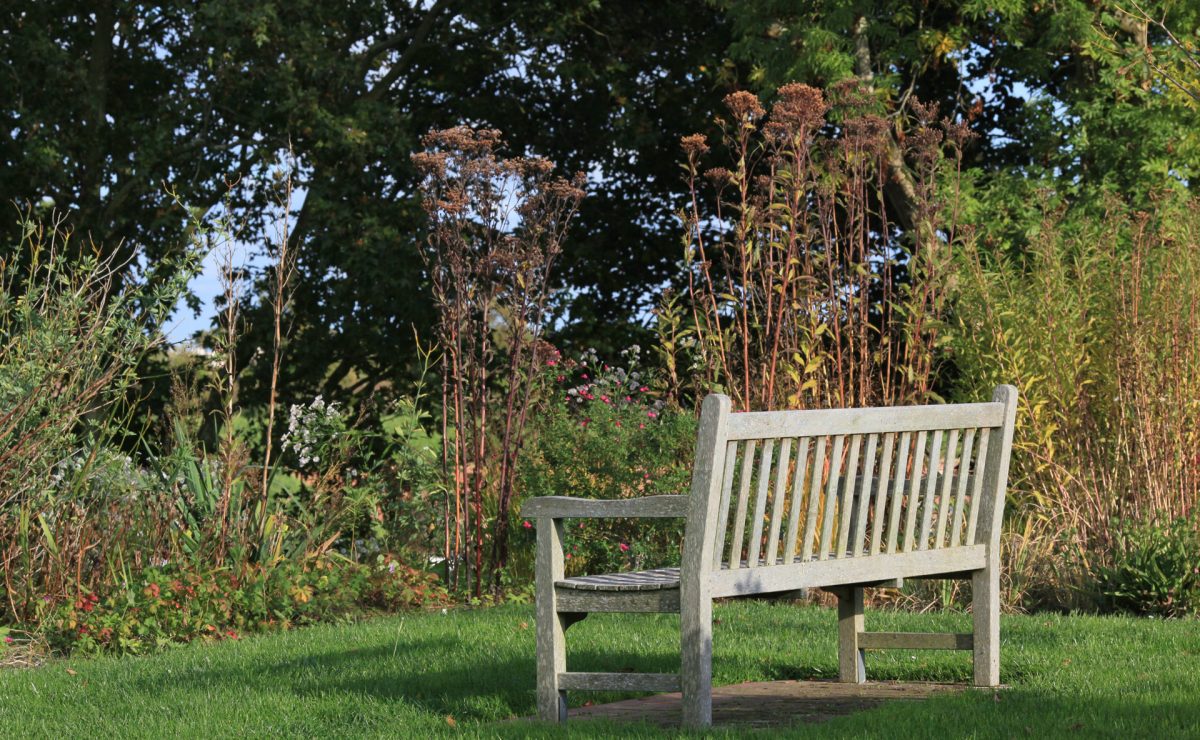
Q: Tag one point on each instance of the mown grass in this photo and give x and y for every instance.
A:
(468, 671)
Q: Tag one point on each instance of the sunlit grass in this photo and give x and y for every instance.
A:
(470, 670)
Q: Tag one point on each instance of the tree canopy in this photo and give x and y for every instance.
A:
(108, 106)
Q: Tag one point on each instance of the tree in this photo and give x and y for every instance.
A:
(1058, 91)
(108, 105)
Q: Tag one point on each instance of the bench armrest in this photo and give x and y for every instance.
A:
(569, 507)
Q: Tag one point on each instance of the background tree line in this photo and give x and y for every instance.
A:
(106, 105)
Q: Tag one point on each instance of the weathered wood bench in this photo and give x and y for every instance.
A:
(787, 500)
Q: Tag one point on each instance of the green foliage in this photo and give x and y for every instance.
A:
(1155, 569)
(71, 337)
(169, 605)
(603, 433)
(1061, 92)
(100, 550)
(1099, 327)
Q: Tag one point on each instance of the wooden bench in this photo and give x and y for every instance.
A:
(787, 500)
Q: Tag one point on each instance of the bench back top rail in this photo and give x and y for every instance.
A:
(787, 487)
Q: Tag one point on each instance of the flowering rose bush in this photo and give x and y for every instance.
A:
(605, 432)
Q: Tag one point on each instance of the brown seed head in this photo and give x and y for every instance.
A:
(744, 105)
(800, 106)
(719, 176)
(694, 144)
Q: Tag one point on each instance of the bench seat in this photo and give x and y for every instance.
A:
(642, 580)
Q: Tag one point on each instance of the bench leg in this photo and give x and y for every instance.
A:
(851, 664)
(696, 664)
(551, 626)
(551, 661)
(985, 604)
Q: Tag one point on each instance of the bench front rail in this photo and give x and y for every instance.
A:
(780, 501)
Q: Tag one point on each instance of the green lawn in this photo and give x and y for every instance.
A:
(467, 671)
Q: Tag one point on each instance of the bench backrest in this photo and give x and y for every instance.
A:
(786, 487)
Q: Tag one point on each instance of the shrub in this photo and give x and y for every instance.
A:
(72, 332)
(168, 604)
(604, 433)
(1155, 569)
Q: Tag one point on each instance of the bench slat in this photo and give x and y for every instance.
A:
(977, 489)
(793, 530)
(931, 481)
(760, 501)
(864, 498)
(767, 424)
(830, 501)
(619, 681)
(739, 522)
(778, 496)
(638, 507)
(621, 602)
(846, 498)
(914, 493)
(898, 491)
(642, 580)
(953, 460)
(847, 571)
(814, 499)
(731, 450)
(881, 496)
(960, 497)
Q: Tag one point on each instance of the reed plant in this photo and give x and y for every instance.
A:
(1098, 323)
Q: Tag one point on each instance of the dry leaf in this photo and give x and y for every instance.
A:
(71, 672)
(450, 721)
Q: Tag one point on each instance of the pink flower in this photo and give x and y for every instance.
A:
(526, 524)
(551, 363)
(641, 426)
(584, 376)
(568, 556)
(644, 388)
(8, 640)
(604, 398)
(652, 415)
(624, 547)
(561, 378)
(628, 398)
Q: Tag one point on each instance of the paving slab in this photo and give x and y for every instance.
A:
(771, 703)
